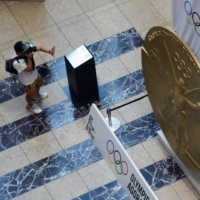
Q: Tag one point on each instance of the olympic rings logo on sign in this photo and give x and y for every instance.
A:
(189, 12)
(119, 164)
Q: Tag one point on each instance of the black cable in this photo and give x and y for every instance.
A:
(129, 102)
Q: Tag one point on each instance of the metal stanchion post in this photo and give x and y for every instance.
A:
(109, 116)
(113, 122)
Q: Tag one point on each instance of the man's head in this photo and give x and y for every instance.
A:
(21, 47)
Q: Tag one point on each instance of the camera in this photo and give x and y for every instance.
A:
(30, 49)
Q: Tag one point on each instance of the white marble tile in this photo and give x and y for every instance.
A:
(50, 39)
(11, 3)
(118, 2)
(140, 156)
(43, 31)
(132, 60)
(10, 29)
(67, 187)
(31, 16)
(2, 5)
(110, 22)
(63, 82)
(141, 14)
(55, 95)
(155, 149)
(62, 9)
(41, 147)
(129, 100)
(96, 175)
(164, 7)
(143, 34)
(14, 109)
(72, 20)
(12, 159)
(87, 5)
(185, 190)
(110, 70)
(39, 193)
(136, 110)
(10, 43)
(2, 122)
(167, 193)
(81, 32)
(8, 52)
(100, 9)
(4, 74)
(71, 134)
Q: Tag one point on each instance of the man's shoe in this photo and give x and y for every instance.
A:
(33, 109)
(41, 96)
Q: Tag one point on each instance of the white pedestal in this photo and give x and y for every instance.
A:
(191, 175)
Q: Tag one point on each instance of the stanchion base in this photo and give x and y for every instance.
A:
(115, 123)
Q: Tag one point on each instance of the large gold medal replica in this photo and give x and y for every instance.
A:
(172, 78)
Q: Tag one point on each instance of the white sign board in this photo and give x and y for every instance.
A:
(117, 158)
(186, 22)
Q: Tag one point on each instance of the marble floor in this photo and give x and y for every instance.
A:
(50, 156)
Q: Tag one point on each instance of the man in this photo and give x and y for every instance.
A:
(28, 76)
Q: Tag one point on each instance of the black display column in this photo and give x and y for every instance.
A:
(81, 74)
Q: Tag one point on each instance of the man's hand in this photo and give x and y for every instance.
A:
(30, 55)
(29, 67)
(52, 51)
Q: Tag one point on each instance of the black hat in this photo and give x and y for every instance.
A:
(21, 46)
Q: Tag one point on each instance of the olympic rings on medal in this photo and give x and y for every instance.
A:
(116, 159)
(192, 14)
(182, 66)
